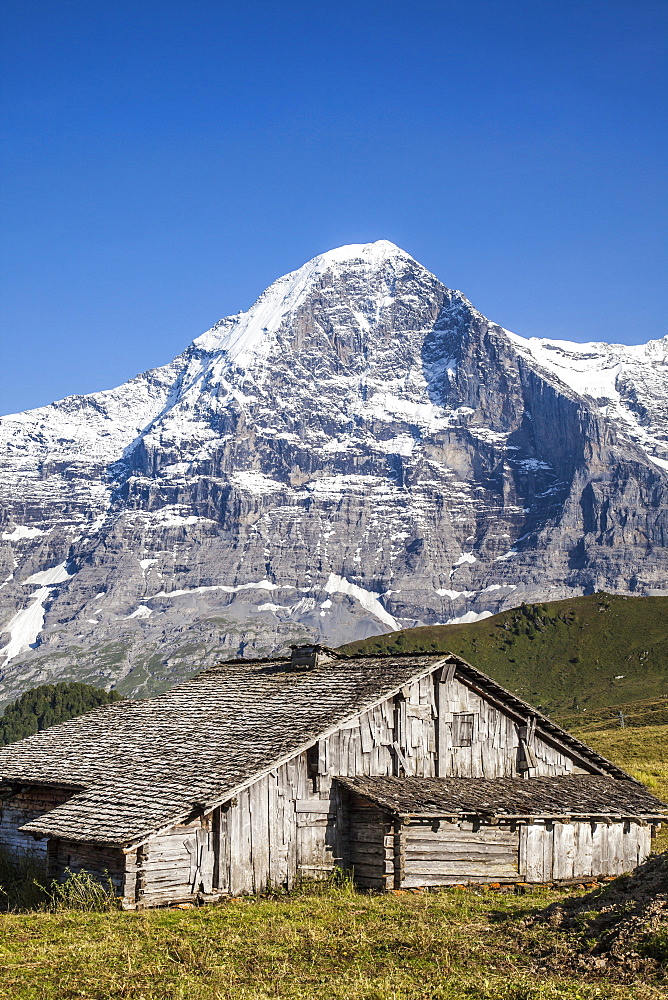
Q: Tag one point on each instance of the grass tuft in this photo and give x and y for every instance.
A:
(82, 891)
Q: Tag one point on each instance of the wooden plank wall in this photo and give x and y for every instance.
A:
(552, 850)
(495, 751)
(172, 867)
(373, 846)
(21, 808)
(284, 827)
(100, 860)
(439, 852)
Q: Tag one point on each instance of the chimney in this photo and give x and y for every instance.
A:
(309, 657)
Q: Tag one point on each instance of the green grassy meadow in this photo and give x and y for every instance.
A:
(457, 944)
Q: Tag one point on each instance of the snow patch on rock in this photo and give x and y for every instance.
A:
(21, 532)
(57, 574)
(369, 601)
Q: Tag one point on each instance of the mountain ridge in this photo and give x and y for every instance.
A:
(360, 450)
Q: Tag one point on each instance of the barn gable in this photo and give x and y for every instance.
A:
(228, 781)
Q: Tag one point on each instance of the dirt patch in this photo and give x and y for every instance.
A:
(622, 926)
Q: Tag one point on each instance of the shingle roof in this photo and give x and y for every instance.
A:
(144, 765)
(138, 767)
(574, 795)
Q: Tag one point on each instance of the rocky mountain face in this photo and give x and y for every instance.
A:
(360, 451)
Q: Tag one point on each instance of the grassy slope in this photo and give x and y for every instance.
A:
(454, 945)
(581, 654)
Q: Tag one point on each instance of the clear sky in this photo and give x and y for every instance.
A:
(165, 160)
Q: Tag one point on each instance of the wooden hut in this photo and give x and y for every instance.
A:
(257, 772)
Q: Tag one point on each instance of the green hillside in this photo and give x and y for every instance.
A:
(47, 705)
(573, 656)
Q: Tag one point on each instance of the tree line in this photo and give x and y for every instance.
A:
(47, 705)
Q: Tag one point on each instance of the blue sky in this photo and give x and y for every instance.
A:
(164, 161)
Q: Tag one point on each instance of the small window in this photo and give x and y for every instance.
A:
(462, 730)
(312, 760)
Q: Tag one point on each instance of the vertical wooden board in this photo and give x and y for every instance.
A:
(191, 847)
(488, 758)
(205, 860)
(353, 739)
(432, 741)
(476, 759)
(453, 769)
(239, 823)
(338, 836)
(628, 845)
(548, 850)
(564, 851)
(611, 848)
(494, 730)
(373, 716)
(599, 843)
(222, 873)
(354, 754)
(323, 763)
(303, 780)
(522, 855)
(246, 834)
(533, 837)
(616, 838)
(583, 861)
(644, 843)
(607, 849)
(334, 753)
(365, 733)
(442, 732)
(234, 853)
(404, 738)
(631, 845)
(276, 847)
(259, 831)
(344, 753)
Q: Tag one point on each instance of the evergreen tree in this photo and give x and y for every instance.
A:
(47, 705)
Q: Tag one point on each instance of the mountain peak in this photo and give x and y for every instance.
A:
(373, 254)
(240, 335)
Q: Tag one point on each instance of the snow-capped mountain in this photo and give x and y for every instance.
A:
(360, 451)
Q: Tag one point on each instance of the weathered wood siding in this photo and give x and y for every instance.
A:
(284, 827)
(173, 866)
(555, 850)
(289, 823)
(495, 748)
(20, 808)
(439, 852)
(412, 734)
(374, 845)
(106, 863)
